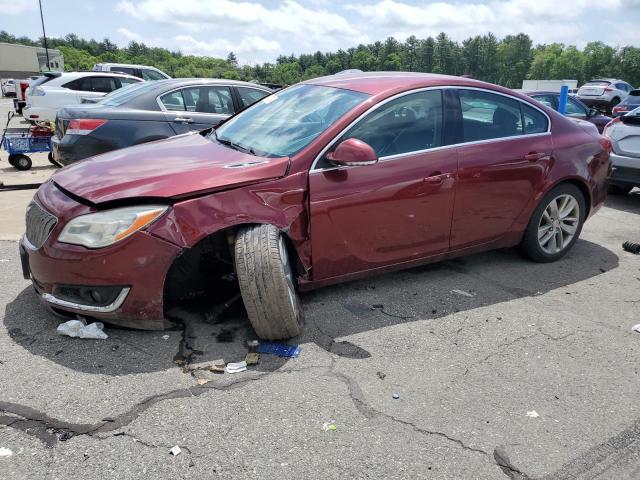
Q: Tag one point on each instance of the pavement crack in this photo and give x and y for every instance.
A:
(502, 460)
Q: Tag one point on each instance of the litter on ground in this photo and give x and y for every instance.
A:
(463, 293)
(5, 452)
(175, 450)
(235, 367)
(636, 328)
(80, 329)
(532, 414)
(252, 358)
(279, 349)
(329, 426)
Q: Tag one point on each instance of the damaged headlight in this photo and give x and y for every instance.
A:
(100, 229)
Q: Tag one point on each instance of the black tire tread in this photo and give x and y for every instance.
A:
(263, 284)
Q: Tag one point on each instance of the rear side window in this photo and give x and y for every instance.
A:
(574, 109)
(249, 96)
(173, 101)
(148, 74)
(124, 81)
(488, 115)
(534, 120)
(103, 84)
(127, 70)
(546, 99)
(407, 124)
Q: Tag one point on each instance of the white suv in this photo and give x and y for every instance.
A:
(604, 93)
(54, 90)
(141, 71)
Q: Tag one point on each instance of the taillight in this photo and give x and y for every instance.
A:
(83, 126)
(620, 108)
(606, 144)
(608, 89)
(607, 127)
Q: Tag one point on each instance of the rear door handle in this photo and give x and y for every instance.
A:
(183, 119)
(535, 156)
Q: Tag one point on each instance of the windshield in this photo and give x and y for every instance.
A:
(282, 124)
(124, 94)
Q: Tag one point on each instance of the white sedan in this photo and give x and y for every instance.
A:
(55, 89)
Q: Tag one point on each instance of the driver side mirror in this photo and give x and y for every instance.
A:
(592, 113)
(353, 152)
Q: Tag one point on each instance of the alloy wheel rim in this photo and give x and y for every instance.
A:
(558, 224)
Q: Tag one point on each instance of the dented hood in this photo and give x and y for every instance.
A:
(178, 167)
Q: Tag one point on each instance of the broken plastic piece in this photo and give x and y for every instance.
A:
(395, 395)
(252, 358)
(532, 414)
(235, 367)
(329, 426)
(202, 381)
(5, 452)
(631, 247)
(175, 450)
(165, 337)
(636, 328)
(79, 329)
(279, 349)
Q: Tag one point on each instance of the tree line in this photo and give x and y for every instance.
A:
(507, 61)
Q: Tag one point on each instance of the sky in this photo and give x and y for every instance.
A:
(259, 31)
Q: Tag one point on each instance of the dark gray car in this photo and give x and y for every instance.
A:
(146, 112)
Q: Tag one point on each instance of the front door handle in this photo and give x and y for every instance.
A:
(437, 178)
(535, 156)
(183, 119)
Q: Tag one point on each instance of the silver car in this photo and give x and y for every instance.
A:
(604, 93)
(624, 133)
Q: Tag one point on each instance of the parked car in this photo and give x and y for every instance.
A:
(624, 133)
(141, 71)
(9, 88)
(56, 89)
(630, 103)
(329, 180)
(574, 109)
(604, 93)
(148, 111)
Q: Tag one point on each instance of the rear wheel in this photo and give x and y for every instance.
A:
(555, 224)
(612, 104)
(266, 282)
(20, 161)
(620, 189)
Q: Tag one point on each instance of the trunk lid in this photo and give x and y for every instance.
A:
(625, 136)
(176, 168)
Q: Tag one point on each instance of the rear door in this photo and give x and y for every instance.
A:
(197, 107)
(397, 210)
(505, 148)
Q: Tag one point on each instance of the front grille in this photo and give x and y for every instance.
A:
(61, 127)
(39, 224)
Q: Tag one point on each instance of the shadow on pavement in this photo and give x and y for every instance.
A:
(629, 203)
(430, 292)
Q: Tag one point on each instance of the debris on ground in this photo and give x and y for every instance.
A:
(279, 349)
(175, 450)
(235, 367)
(5, 452)
(395, 395)
(202, 381)
(165, 337)
(80, 329)
(636, 328)
(329, 426)
(377, 306)
(463, 293)
(532, 414)
(252, 358)
(631, 247)
(381, 375)
(253, 345)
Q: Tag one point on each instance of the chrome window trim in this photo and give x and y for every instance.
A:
(164, 109)
(416, 152)
(117, 303)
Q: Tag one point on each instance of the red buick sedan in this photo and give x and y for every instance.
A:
(326, 181)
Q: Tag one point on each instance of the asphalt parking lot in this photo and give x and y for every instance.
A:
(503, 369)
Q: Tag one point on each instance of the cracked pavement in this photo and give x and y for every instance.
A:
(555, 339)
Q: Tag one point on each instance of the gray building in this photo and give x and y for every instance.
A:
(22, 61)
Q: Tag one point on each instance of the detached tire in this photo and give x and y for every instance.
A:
(555, 224)
(266, 283)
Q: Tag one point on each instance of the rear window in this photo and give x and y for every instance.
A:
(44, 79)
(597, 83)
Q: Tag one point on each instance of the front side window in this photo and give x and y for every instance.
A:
(249, 96)
(574, 109)
(208, 100)
(151, 74)
(285, 122)
(407, 124)
(487, 115)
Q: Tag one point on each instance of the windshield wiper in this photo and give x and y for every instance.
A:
(235, 146)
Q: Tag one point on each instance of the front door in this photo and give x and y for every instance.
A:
(504, 153)
(197, 107)
(396, 210)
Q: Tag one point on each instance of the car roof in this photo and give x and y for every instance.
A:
(127, 65)
(102, 74)
(179, 82)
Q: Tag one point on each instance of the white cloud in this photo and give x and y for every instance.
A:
(10, 7)
(247, 47)
(129, 35)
